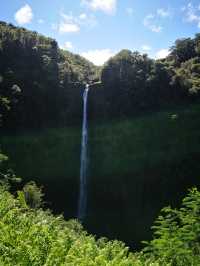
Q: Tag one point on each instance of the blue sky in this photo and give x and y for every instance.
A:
(97, 29)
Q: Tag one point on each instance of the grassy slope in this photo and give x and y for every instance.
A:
(137, 166)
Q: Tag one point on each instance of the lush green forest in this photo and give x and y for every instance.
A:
(151, 159)
(31, 236)
(144, 149)
(143, 84)
(36, 75)
(38, 79)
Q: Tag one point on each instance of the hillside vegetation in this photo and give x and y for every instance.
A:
(36, 75)
(135, 82)
(38, 79)
(137, 166)
(31, 236)
(144, 151)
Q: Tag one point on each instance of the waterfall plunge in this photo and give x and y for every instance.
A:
(84, 160)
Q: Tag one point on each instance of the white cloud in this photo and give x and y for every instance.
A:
(148, 20)
(68, 27)
(155, 28)
(68, 24)
(72, 24)
(67, 46)
(162, 53)
(98, 57)
(150, 24)
(192, 14)
(163, 13)
(107, 6)
(40, 21)
(87, 20)
(83, 16)
(146, 48)
(24, 15)
(129, 11)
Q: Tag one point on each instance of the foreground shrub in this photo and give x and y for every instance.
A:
(177, 233)
(32, 236)
(36, 237)
(33, 195)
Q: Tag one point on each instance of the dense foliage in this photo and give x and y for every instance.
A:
(44, 82)
(137, 166)
(141, 83)
(38, 77)
(40, 86)
(176, 233)
(35, 237)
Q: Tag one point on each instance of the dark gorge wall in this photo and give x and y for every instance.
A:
(136, 167)
(97, 104)
(44, 110)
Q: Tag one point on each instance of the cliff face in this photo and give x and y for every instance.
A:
(97, 105)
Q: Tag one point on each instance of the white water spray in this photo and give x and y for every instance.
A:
(84, 160)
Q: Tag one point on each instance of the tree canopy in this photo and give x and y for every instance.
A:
(38, 76)
(43, 83)
(134, 82)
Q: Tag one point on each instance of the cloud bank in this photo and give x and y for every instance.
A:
(24, 15)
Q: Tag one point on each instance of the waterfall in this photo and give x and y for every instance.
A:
(84, 160)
